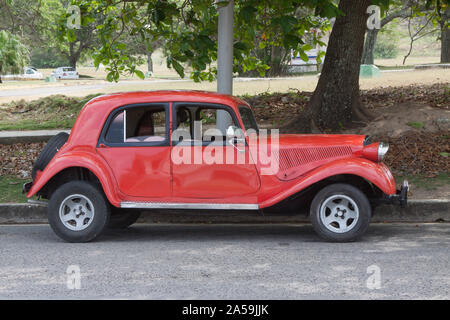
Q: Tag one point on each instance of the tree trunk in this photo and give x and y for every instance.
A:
(445, 37)
(73, 62)
(371, 38)
(74, 55)
(369, 46)
(336, 101)
(150, 62)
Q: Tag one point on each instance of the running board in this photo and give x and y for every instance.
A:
(215, 206)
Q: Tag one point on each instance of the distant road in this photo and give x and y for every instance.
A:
(76, 88)
(241, 86)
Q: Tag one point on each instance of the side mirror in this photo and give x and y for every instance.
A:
(235, 137)
(231, 131)
(235, 132)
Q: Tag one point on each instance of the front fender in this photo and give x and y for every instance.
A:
(376, 173)
(78, 158)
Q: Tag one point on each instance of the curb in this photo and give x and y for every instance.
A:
(433, 210)
(432, 66)
(11, 137)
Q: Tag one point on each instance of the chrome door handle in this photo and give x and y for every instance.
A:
(235, 141)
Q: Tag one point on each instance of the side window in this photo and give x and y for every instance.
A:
(147, 124)
(208, 120)
(115, 130)
(248, 118)
(198, 123)
(138, 125)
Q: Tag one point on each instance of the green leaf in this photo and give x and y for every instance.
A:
(178, 68)
(110, 76)
(140, 74)
(303, 56)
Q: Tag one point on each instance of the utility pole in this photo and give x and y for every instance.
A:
(225, 60)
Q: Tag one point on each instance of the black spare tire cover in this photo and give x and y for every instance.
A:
(48, 152)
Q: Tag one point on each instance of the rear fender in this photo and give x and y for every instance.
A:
(376, 173)
(79, 158)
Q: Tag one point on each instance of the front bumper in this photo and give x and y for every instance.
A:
(401, 197)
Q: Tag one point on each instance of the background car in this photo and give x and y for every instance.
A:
(28, 73)
(65, 73)
(32, 73)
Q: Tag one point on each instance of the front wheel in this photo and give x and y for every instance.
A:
(78, 211)
(340, 213)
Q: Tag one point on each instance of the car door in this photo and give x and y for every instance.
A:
(197, 150)
(135, 144)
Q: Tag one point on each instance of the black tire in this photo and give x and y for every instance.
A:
(48, 152)
(101, 209)
(122, 218)
(357, 229)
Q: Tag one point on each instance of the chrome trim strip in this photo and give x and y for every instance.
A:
(38, 202)
(162, 205)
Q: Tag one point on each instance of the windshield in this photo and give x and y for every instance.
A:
(248, 118)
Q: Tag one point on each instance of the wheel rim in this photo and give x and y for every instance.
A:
(76, 212)
(339, 213)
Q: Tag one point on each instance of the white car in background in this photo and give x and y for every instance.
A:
(31, 73)
(28, 73)
(65, 73)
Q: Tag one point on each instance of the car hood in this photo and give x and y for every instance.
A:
(297, 154)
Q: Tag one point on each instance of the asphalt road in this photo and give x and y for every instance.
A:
(394, 261)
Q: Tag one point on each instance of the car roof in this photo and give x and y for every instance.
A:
(92, 117)
(170, 96)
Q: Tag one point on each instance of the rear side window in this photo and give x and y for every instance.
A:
(147, 124)
(139, 125)
(115, 130)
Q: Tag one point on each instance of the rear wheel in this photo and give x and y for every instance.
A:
(340, 212)
(78, 211)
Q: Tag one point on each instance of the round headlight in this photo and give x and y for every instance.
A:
(382, 150)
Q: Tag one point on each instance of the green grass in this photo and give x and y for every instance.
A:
(416, 125)
(53, 112)
(429, 184)
(11, 189)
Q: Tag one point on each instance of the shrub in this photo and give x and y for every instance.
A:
(385, 50)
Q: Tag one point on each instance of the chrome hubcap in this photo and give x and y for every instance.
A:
(339, 213)
(76, 212)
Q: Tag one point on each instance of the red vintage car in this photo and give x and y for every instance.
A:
(136, 151)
